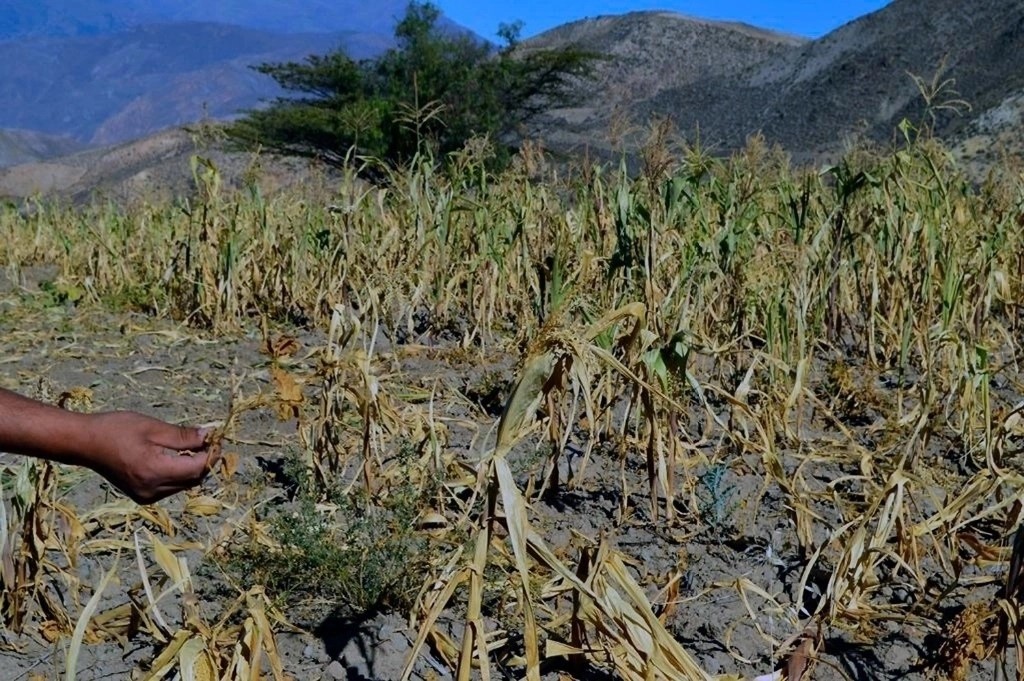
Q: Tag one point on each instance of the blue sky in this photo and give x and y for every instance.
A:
(810, 18)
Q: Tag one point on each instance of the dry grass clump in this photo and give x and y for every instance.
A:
(967, 639)
(864, 317)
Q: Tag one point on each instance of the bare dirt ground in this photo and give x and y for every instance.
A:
(724, 577)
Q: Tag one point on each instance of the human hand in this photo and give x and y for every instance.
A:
(146, 458)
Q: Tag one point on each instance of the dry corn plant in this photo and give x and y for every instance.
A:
(222, 650)
(39, 526)
(752, 280)
(609, 622)
(348, 381)
(44, 540)
(40, 539)
(237, 646)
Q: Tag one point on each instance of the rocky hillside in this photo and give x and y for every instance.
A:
(997, 135)
(857, 82)
(648, 54)
(155, 168)
(60, 18)
(23, 146)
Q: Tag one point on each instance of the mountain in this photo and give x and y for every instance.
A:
(647, 52)
(60, 18)
(110, 88)
(727, 82)
(107, 71)
(154, 168)
(719, 82)
(24, 146)
(646, 55)
(995, 135)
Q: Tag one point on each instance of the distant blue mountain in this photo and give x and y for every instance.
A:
(62, 18)
(107, 71)
(102, 89)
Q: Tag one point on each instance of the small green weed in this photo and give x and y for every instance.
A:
(352, 553)
(134, 298)
(716, 505)
(60, 292)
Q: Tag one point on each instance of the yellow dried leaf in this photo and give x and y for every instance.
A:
(167, 561)
(164, 662)
(256, 602)
(51, 631)
(77, 637)
(203, 505)
(115, 622)
(76, 399)
(553, 648)
(289, 394)
(229, 464)
(525, 399)
(195, 663)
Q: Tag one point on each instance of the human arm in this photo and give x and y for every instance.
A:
(139, 455)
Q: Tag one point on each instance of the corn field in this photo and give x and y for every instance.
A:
(805, 378)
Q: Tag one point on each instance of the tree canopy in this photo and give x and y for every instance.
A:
(435, 90)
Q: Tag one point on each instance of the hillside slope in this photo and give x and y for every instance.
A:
(154, 168)
(718, 81)
(111, 88)
(106, 71)
(24, 146)
(725, 82)
(649, 53)
(59, 18)
(858, 78)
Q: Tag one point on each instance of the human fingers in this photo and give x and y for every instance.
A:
(189, 470)
(173, 479)
(180, 438)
